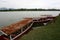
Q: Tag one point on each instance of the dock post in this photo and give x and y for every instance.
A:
(21, 29)
(11, 38)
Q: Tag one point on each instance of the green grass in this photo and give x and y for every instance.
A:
(49, 32)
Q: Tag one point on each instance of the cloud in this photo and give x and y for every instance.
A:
(30, 3)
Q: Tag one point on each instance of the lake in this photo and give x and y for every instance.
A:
(7, 18)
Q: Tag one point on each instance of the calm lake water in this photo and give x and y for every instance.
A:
(7, 18)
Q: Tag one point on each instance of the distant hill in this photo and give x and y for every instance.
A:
(3, 9)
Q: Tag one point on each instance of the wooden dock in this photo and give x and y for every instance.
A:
(15, 30)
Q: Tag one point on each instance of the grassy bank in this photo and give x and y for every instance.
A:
(49, 32)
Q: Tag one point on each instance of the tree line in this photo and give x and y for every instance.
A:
(31, 10)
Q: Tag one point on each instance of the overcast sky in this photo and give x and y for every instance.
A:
(30, 3)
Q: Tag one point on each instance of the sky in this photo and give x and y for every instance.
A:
(30, 4)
